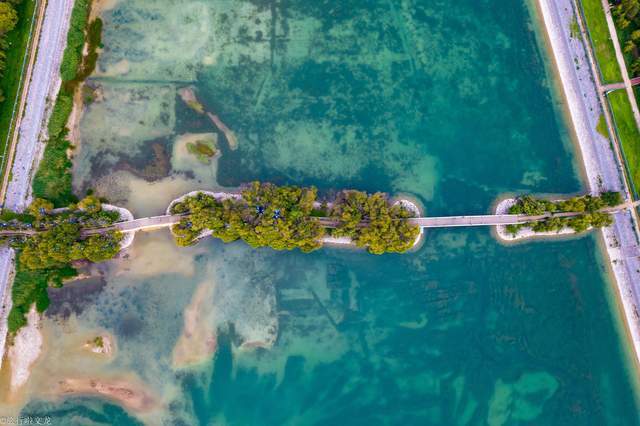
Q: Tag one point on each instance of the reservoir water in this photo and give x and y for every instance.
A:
(449, 101)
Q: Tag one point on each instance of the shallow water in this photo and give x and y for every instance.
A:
(448, 101)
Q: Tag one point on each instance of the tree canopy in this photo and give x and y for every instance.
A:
(8, 17)
(283, 218)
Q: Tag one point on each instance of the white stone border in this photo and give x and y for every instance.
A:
(125, 216)
(524, 233)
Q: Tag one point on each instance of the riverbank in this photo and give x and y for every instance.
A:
(45, 81)
(602, 169)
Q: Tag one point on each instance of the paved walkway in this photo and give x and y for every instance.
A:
(620, 57)
(616, 86)
(165, 221)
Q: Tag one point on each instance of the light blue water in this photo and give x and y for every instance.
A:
(446, 100)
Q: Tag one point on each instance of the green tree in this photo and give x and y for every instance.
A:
(90, 204)
(611, 198)
(8, 18)
(39, 207)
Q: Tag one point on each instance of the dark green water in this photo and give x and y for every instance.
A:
(446, 100)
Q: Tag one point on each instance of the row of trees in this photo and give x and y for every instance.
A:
(266, 216)
(627, 18)
(589, 206)
(64, 244)
(45, 259)
(284, 218)
(578, 223)
(531, 206)
(8, 21)
(386, 229)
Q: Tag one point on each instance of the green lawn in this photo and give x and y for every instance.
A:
(18, 40)
(627, 132)
(602, 126)
(603, 45)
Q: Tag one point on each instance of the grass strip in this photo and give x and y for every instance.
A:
(602, 44)
(53, 180)
(18, 42)
(627, 133)
(601, 127)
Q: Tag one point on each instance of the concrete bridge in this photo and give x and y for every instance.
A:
(166, 221)
(156, 222)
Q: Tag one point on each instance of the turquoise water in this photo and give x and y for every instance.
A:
(448, 101)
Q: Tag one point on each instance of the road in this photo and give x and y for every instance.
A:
(43, 89)
(604, 164)
(41, 85)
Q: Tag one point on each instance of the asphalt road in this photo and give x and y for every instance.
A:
(44, 84)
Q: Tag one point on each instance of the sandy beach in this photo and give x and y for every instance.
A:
(25, 350)
(601, 166)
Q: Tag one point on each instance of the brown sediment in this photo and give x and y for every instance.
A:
(188, 95)
(103, 344)
(198, 341)
(126, 392)
(228, 133)
(157, 168)
(99, 6)
(73, 123)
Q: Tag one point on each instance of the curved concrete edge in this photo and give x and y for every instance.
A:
(217, 195)
(125, 216)
(408, 202)
(221, 195)
(415, 206)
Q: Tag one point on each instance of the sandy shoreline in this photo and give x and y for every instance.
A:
(601, 167)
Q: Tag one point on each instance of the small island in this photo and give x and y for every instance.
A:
(101, 345)
(287, 217)
(203, 149)
(560, 217)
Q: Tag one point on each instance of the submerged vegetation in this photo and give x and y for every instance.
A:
(262, 215)
(204, 150)
(588, 206)
(287, 217)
